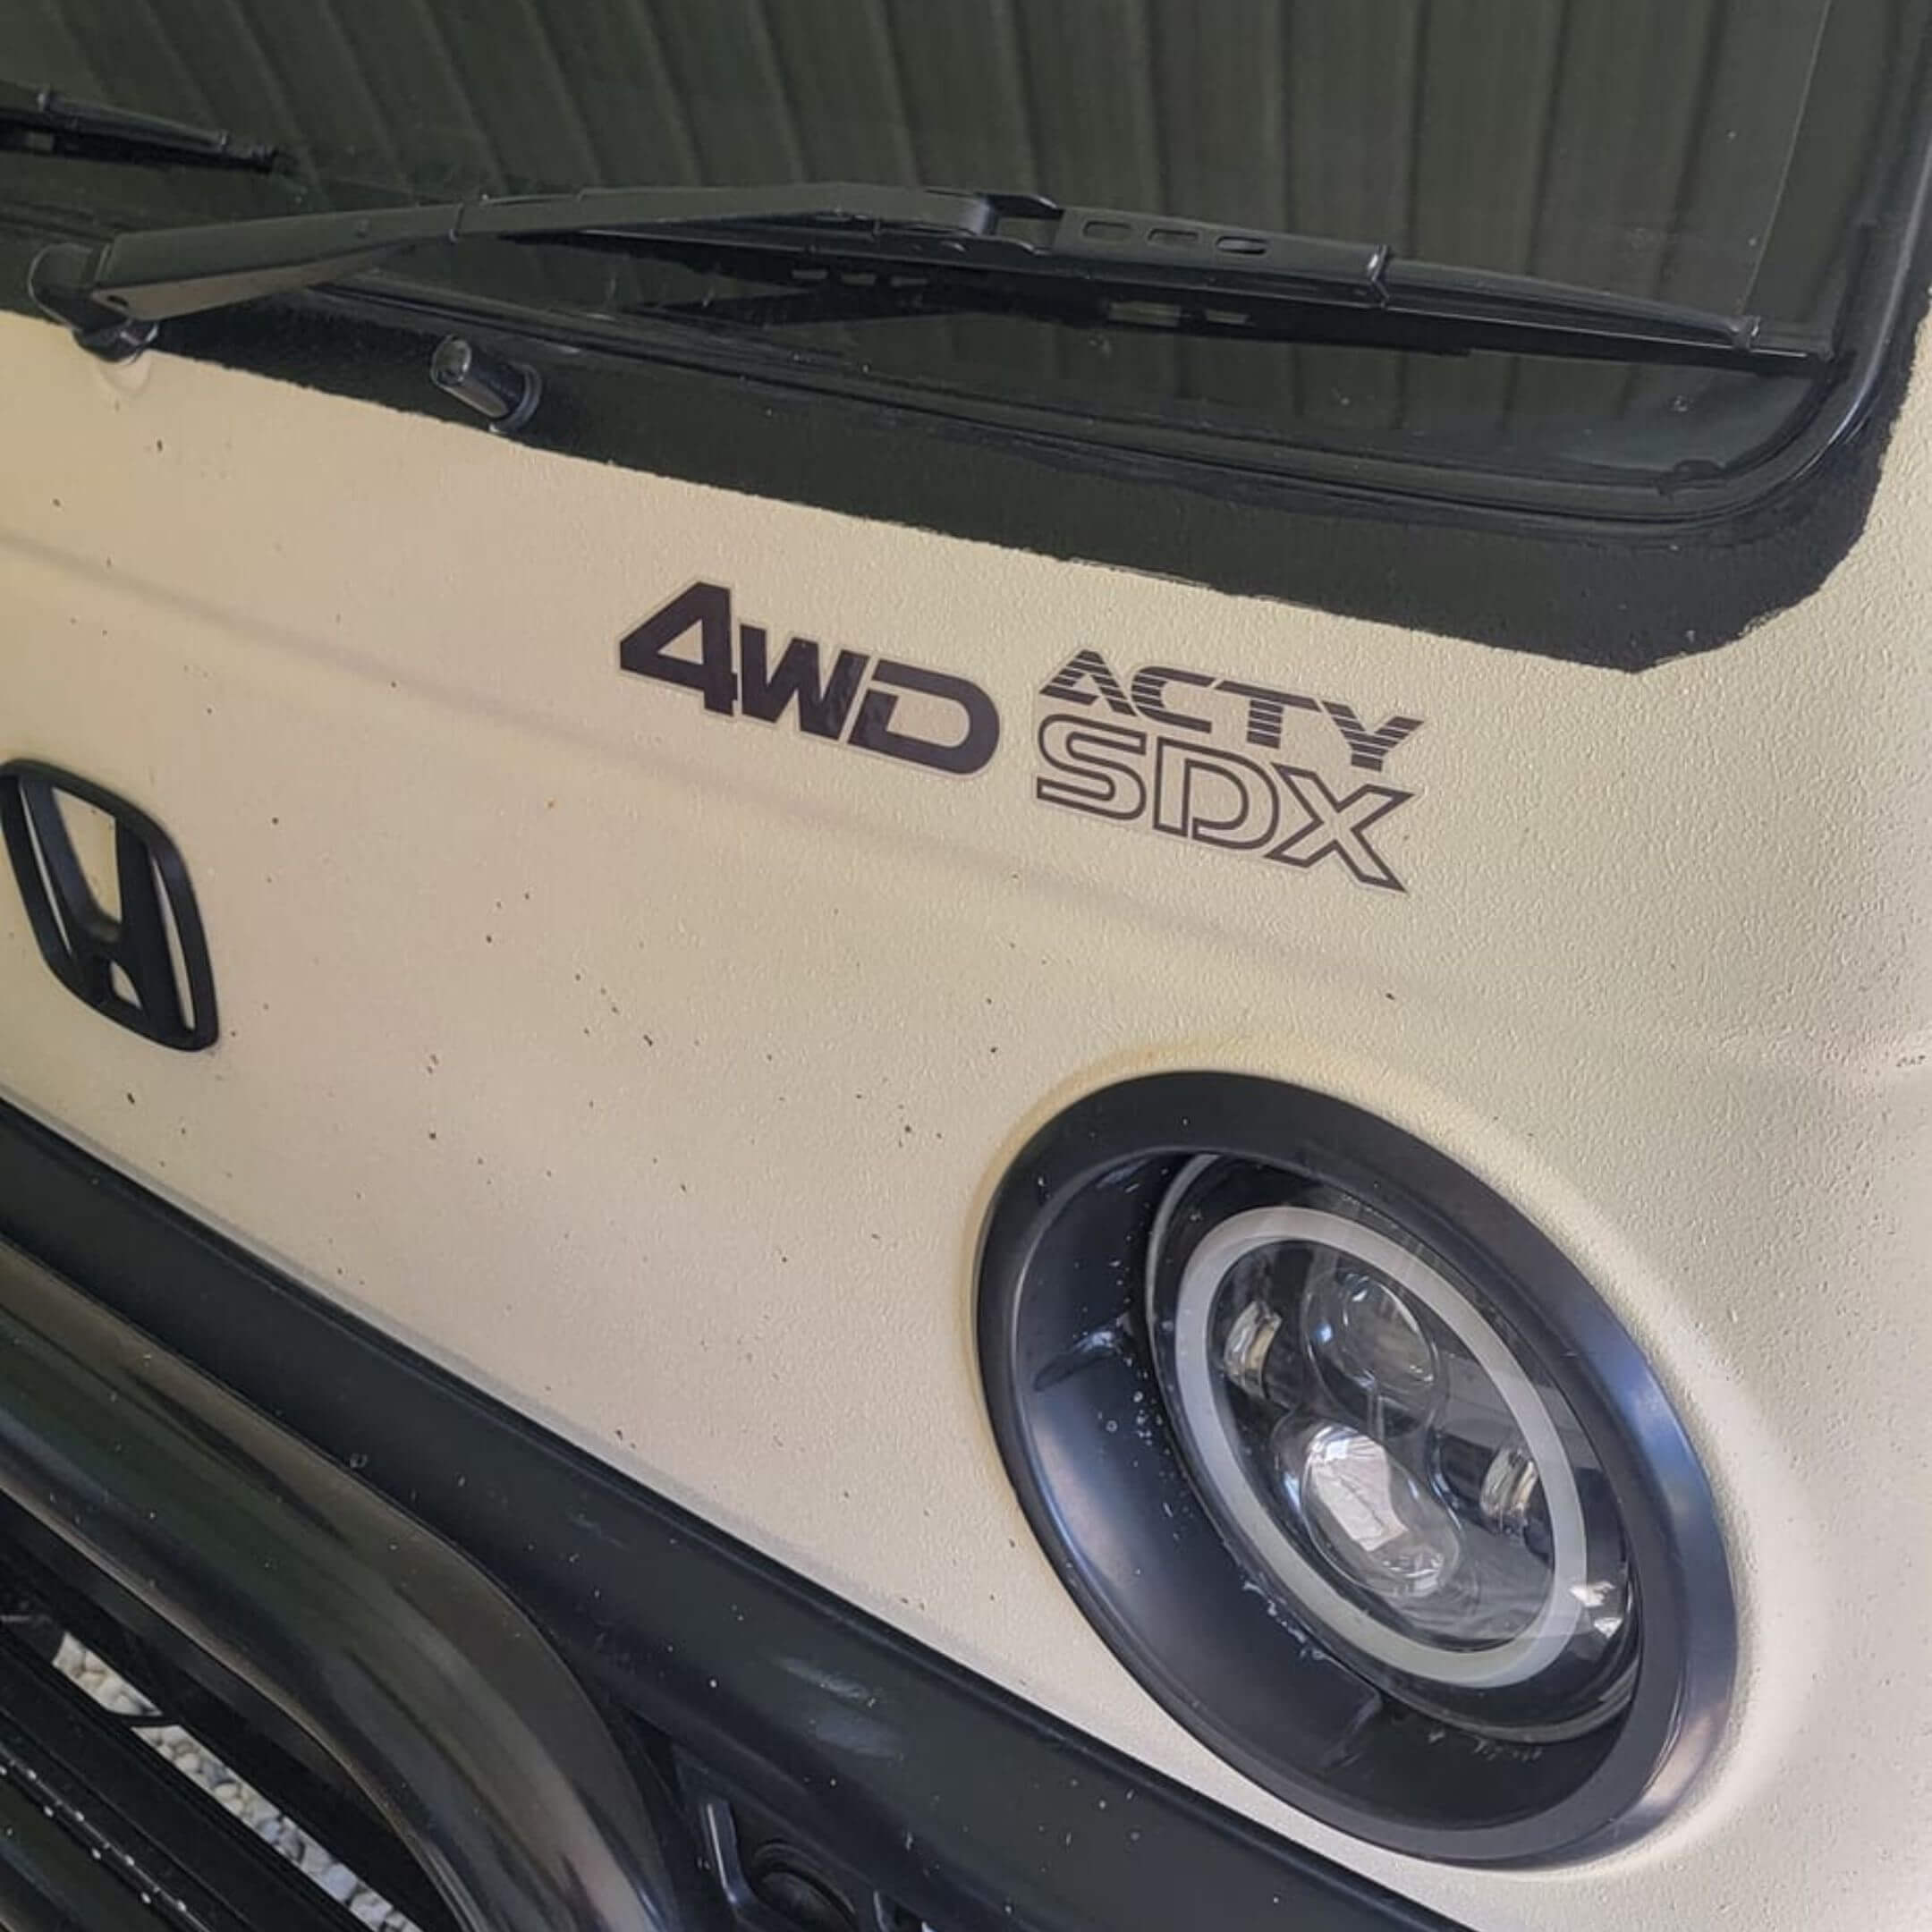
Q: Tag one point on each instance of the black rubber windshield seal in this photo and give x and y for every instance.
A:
(1543, 575)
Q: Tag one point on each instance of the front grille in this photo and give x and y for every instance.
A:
(116, 1743)
(195, 1760)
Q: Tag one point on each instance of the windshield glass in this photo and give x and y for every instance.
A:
(1730, 154)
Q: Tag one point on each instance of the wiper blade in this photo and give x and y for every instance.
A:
(843, 299)
(115, 296)
(38, 120)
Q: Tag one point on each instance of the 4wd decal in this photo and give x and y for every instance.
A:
(1156, 750)
(855, 700)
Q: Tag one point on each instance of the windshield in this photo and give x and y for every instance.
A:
(1729, 153)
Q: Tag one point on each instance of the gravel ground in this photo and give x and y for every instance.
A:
(192, 1759)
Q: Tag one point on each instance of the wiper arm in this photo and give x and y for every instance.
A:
(38, 120)
(115, 296)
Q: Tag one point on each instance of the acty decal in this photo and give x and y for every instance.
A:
(1100, 757)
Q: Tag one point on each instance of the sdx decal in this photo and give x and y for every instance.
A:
(1156, 750)
(855, 702)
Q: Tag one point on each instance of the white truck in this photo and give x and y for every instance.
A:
(884, 1046)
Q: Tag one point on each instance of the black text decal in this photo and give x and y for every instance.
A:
(842, 695)
(1220, 762)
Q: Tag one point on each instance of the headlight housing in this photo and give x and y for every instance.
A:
(1354, 1469)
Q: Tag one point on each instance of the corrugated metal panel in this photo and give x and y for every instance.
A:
(1643, 145)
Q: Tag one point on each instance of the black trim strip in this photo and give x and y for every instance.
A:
(969, 1807)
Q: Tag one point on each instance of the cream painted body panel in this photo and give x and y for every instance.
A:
(656, 1070)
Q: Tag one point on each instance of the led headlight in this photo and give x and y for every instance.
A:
(1354, 1469)
(1387, 1456)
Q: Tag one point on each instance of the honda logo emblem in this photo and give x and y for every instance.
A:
(144, 964)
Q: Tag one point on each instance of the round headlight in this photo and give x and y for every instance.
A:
(1354, 1469)
(1386, 1455)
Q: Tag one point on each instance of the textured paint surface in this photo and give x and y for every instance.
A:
(656, 1070)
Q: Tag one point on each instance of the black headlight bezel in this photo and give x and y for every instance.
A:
(1060, 1262)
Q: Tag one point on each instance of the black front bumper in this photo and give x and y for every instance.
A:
(810, 1755)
